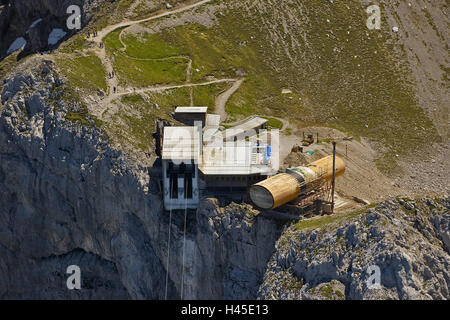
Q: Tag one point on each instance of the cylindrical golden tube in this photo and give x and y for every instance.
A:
(275, 191)
(285, 187)
(324, 167)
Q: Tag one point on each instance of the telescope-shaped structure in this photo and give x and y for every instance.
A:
(296, 182)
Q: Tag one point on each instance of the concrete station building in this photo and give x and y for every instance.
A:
(200, 158)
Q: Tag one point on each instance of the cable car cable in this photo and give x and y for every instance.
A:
(168, 254)
(184, 249)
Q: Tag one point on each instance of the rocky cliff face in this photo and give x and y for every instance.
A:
(409, 241)
(34, 20)
(68, 198)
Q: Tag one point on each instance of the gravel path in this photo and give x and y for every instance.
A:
(223, 98)
(112, 83)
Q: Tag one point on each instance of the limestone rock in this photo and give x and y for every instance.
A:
(409, 248)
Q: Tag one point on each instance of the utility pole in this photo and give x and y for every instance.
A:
(333, 181)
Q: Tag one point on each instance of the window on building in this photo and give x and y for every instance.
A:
(174, 186)
(188, 192)
(169, 169)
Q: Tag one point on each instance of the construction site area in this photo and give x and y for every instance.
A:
(249, 163)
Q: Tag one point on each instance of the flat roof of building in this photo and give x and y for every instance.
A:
(235, 171)
(191, 110)
(232, 159)
(212, 120)
(211, 128)
(181, 143)
(248, 125)
(209, 133)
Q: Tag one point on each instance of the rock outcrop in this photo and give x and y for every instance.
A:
(34, 20)
(68, 198)
(405, 240)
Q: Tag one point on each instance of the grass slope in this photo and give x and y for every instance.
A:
(145, 61)
(342, 74)
(83, 72)
(133, 123)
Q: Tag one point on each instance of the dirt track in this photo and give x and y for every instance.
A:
(112, 83)
(223, 98)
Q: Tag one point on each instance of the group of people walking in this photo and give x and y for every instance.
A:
(94, 34)
(101, 45)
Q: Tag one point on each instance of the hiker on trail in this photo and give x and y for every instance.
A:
(114, 88)
(89, 34)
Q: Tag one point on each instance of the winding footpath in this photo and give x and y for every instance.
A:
(223, 98)
(114, 90)
(109, 98)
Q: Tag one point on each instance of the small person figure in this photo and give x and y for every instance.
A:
(114, 89)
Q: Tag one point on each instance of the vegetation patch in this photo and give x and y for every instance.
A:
(139, 73)
(77, 111)
(274, 123)
(319, 222)
(85, 72)
(134, 122)
(206, 95)
(76, 43)
(290, 281)
(142, 63)
(148, 46)
(6, 65)
(342, 75)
